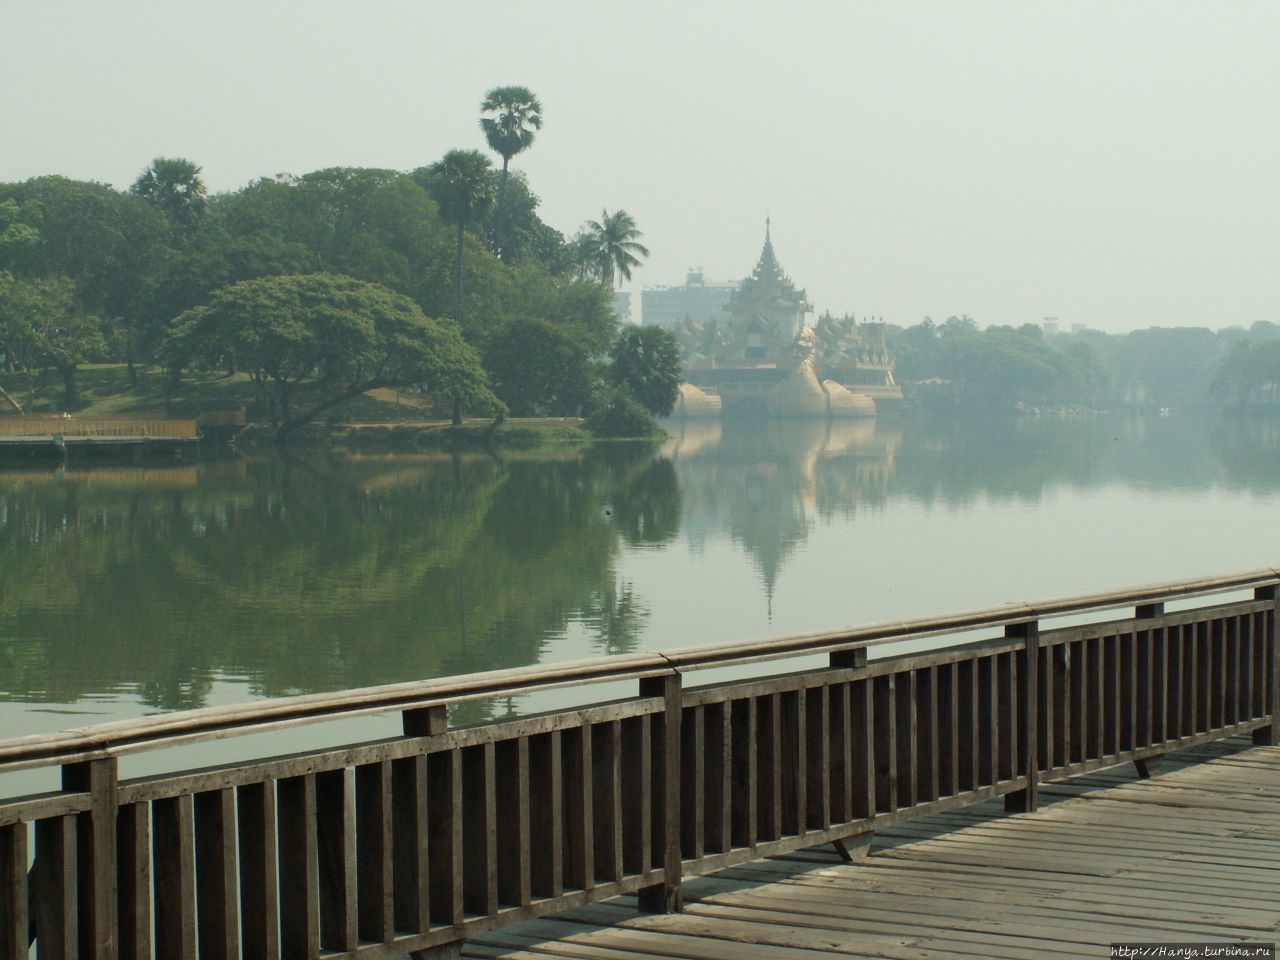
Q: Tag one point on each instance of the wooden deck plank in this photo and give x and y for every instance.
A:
(1189, 854)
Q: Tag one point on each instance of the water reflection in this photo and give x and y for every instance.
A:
(146, 587)
(305, 576)
(768, 483)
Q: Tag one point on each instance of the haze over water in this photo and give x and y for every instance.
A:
(127, 591)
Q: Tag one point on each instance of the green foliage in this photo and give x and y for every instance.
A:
(621, 416)
(348, 335)
(646, 364)
(539, 369)
(43, 325)
(110, 244)
(1250, 374)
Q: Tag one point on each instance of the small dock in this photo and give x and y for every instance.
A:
(36, 437)
(1191, 854)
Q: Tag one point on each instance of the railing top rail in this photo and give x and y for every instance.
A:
(209, 723)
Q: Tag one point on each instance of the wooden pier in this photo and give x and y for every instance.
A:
(703, 797)
(1191, 855)
(61, 437)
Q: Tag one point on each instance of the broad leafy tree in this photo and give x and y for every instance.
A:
(539, 369)
(511, 117)
(43, 325)
(326, 339)
(646, 363)
(610, 248)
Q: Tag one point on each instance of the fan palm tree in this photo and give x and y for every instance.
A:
(173, 185)
(461, 185)
(512, 116)
(608, 249)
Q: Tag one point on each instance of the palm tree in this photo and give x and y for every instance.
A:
(608, 249)
(514, 114)
(460, 184)
(173, 185)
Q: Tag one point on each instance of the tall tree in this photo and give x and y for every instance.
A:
(609, 248)
(459, 183)
(174, 186)
(512, 114)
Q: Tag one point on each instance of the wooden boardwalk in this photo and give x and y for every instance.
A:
(1191, 854)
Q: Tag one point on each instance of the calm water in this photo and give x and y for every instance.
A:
(127, 591)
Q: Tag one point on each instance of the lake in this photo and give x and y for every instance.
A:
(125, 591)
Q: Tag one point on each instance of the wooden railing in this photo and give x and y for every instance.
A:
(76, 428)
(414, 842)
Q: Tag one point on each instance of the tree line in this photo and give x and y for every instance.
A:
(957, 363)
(323, 286)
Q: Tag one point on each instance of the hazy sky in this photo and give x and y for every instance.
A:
(1110, 163)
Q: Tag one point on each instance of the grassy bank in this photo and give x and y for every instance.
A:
(105, 390)
(379, 421)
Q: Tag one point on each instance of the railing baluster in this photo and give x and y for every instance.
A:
(862, 741)
(745, 771)
(1204, 674)
(579, 869)
(512, 782)
(1128, 692)
(839, 747)
(693, 783)
(791, 763)
(375, 869)
(480, 831)
(410, 849)
(1190, 680)
(13, 892)
(1110, 695)
(904, 695)
(1270, 669)
(988, 723)
(1145, 693)
(1006, 716)
(886, 744)
(637, 795)
(444, 835)
(967, 727)
(768, 767)
(546, 830)
(174, 872)
(948, 731)
(336, 856)
(1231, 641)
(816, 739)
(54, 901)
(259, 878)
(927, 734)
(718, 788)
(606, 798)
(218, 908)
(133, 872)
(299, 865)
(1094, 688)
(1060, 677)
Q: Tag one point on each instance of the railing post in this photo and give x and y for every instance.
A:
(425, 721)
(666, 897)
(430, 722)
(95, 855)
(1027, 719)
(1148, 611)
(1270, 735)
(849, 659)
